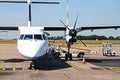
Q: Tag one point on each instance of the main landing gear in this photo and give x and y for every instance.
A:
(68, 56)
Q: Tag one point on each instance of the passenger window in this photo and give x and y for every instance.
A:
(21, 37)
(38, 37)
(27, 37)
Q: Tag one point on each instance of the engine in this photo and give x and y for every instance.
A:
(72, 40)
(73, 33)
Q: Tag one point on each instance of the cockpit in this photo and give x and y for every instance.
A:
(32, 36)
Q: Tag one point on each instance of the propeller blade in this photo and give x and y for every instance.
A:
(54, 39)
(64, 24)
(75, 22)
(83, 43)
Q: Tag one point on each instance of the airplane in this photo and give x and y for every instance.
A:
(33, 42)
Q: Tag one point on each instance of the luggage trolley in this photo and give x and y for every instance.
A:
(107, 49)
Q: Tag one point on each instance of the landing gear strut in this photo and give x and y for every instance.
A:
(33, 65)
(68, 55)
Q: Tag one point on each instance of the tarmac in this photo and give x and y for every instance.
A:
(14, 66)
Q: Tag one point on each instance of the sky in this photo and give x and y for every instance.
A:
(91, 13)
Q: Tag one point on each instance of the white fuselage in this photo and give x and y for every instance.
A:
(32, 42)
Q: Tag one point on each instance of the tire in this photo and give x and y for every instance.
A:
(70, 56)
(66, 57)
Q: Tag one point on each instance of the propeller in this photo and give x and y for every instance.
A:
(83, 43)
(72, 32)
(64, 24)
(75, 22)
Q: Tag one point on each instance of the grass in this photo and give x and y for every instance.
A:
(63, 42)
(8, 41)
(89, 41)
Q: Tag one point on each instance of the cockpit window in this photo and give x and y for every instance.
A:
(21, 37)
(27, 37)
(38, 37)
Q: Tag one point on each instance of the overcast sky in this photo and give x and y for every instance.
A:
(91, 13)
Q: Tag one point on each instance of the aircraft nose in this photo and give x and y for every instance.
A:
(32, 49)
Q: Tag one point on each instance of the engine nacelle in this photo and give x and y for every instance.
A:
(73, 40)
(72, 33)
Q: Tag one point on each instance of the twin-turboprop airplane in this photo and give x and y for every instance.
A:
(33, 43)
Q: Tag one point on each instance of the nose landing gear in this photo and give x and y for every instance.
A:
(33, 65)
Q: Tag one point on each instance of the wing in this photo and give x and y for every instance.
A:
(63, 28)
(96, 28)
(81, 28)
(54, 28)
(12, 28)
(8, 28)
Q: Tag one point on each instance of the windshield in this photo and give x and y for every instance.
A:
(38, 37)
(21, 37)
(28, 37)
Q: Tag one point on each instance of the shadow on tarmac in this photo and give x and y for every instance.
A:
(49, 62)
(113, 61)
(14, 60)
(46, 62)
(107, 63)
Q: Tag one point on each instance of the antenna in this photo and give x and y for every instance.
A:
(29, 2)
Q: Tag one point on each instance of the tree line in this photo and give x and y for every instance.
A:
(90, 37)
(94, 37)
